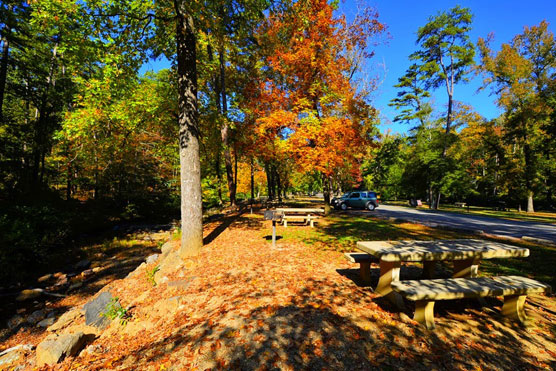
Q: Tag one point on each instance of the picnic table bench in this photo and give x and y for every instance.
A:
(305, 215)
(465, 255)
(460, 204)
(514, 289)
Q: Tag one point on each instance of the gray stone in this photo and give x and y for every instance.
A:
(14, 354)
(83, 264)
(36, 316)
(44, 278)
(55, 348)
(65, 320)
(151, 259)
(95, 309)
(46, 322)
(15, 321)
(74, 286)
(87, 273)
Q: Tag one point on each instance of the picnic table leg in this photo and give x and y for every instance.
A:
(311, 223)
(466, 268)
(389, 271)
(428, 269)
(424, 313)
(513, 307)
(285, 223)
(365, 272)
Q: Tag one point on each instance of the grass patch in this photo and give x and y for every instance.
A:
(341, 232)
(543, 217)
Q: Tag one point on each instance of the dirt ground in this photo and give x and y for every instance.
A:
(243, 304)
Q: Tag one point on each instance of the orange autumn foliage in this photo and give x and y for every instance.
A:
(306, 104)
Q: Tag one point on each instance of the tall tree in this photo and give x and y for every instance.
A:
(445, 58)
(309, 98)
(521, 74)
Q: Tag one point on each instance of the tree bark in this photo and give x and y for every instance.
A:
(3, 73)
(326, 185)
(225, 131)
(190, 164)
(252, 181)
(529, 169)
(268, 180)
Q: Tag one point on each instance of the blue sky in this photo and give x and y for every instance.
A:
(505, 18)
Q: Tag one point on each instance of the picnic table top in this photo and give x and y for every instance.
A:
(391, 251)
(299, 210)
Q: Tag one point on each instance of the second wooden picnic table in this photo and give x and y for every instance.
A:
(465, 254)
(305, 215)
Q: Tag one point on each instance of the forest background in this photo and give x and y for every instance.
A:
(286, 103)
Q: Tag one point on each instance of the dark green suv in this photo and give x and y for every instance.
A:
(357, 200)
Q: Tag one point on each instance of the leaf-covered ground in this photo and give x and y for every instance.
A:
(245, 305)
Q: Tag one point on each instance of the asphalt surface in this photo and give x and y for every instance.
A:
(500, 227)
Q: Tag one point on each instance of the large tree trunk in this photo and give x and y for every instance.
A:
(225, 131)
(530, 208)
(278, 183)
(269, 181)
(327, 186)
(252, 181)
(529, 170)
(190, 164)
(3, 72)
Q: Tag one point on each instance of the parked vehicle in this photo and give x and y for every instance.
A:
(357, 200)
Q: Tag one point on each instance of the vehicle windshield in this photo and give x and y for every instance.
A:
(345, 195)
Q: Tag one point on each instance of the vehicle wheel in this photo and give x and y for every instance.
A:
(370, 206)
(344, 206)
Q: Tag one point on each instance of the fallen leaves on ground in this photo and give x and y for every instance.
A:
(247, 305)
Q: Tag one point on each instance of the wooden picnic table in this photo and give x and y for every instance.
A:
(305, 215)
(465, 254)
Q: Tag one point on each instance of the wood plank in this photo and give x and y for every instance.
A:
(457, 288)
(440, 250)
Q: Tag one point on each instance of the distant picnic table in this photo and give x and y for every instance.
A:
(304, 215)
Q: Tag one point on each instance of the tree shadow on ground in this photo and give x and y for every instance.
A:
(311, 333)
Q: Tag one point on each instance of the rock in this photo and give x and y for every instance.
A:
(166, 248)
(46, 322)
(15, 321)
(29, 294)
(76, 285)
(36, 316)
(65, 320)
(82, 264)
(55, 348)
(87, 273)
(14, 354)
(168, 265)
(151, 259)
(95, 309)
(97, 269)
(45, 278)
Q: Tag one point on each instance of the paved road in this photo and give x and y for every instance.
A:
(501, 227)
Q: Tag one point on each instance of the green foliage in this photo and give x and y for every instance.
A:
(115, 310)
(150, 275)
